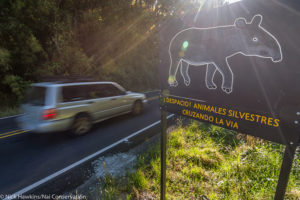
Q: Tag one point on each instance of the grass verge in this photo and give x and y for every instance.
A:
(211, 161)
(8, 111)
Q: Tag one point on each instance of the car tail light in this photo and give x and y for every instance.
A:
(49, 114)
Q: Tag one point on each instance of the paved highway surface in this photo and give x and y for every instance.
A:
(27, 158)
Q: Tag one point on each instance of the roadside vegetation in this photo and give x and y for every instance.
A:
(9, 111)
(114, 40)
(105, 40)
(207, 160)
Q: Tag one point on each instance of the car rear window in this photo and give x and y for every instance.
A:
(36, 96)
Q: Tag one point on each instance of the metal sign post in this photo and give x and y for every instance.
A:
(287, 163)
(163, 146)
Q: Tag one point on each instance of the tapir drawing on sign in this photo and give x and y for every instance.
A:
(213, 46)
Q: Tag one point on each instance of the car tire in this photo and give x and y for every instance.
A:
(82, 124)
(138, 108)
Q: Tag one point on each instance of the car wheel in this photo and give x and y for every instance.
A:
(81, 125)
(137, 108)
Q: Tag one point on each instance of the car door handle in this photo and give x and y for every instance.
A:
(90, 102)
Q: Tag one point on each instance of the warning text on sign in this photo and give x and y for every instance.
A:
(219, 115)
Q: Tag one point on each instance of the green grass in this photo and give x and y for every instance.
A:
(211, 161)
(7, 111)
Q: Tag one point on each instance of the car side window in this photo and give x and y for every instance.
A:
(93, 92)
(107, 90)
(83, 92)
(111, 90)
(96, 91)
(75, 93)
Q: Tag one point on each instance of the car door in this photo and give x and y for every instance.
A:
(118, 98)
(73, 100)
(100, 102)
(78, 98)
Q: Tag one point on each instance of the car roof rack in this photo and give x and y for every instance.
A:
(66, 79)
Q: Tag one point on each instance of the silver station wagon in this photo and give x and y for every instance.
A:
(75, 106)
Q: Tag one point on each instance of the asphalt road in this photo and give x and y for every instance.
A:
(26, 158)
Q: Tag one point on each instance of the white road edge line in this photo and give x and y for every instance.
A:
(44, 180)
(10, 116)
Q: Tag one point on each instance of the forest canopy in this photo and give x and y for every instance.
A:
(112, 40)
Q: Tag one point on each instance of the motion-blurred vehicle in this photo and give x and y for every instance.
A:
(75, 106)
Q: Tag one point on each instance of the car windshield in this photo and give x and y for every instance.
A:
(35, 96)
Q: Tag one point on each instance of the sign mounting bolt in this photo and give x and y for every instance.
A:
(297, 113)
(296, 122)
